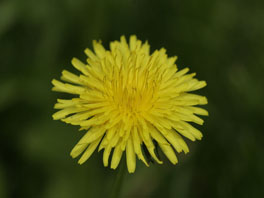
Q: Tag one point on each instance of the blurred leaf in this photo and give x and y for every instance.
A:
(8, 94)
(8, 14)
(3, 193)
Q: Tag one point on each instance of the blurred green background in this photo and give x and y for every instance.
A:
(222, 40)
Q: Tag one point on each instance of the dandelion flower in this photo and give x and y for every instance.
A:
(127, 98)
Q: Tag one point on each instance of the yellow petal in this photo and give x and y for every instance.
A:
(79, 65)
(99, 49)
(70, 77)
(195, 132)
(106, 154)
(116, 156)
(78, 149)
(132, 42)
(168, 151)
(182, 130)
(67, 103)
(198, 85)
(90, 54)
(130, 156)
(177, 142)
(149, 144)
(198, 110)
(91, 135)
(89, 151)
(64, 112)
(137, 146)
(157, 136)
(181, 72)
(104, 144)
(67, 88)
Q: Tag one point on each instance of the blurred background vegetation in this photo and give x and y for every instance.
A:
(221, 40)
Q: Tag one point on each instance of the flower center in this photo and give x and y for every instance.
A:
(132, 99)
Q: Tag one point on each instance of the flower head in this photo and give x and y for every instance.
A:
(126, 98)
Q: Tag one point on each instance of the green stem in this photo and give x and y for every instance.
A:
(119, 180)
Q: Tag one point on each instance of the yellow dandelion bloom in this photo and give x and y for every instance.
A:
(126, 98)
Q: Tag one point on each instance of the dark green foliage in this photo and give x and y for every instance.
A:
(222, 41)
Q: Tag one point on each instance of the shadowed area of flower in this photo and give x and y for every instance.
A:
(126, 97)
